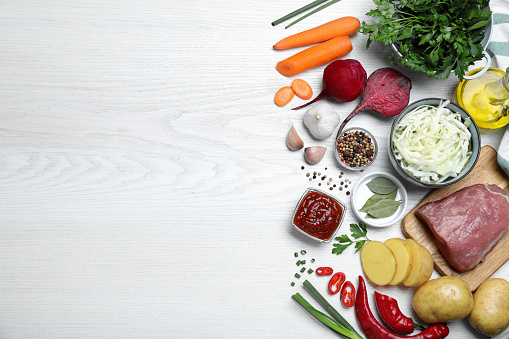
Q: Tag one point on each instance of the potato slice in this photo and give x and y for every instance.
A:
(378, 262)
(422, 265)
(403, 258)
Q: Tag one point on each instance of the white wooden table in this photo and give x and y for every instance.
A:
(146, 190)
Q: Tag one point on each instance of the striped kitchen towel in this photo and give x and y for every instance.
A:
(499, 49)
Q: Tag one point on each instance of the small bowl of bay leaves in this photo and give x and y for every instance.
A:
(379, 199)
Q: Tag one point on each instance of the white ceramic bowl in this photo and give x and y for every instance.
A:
(361, 193)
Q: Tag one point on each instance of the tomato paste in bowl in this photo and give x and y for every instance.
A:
(318, 215)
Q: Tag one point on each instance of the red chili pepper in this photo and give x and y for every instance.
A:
(335, 282)
(348, 294)
(391, 314)
(324, 271)
(374, 330)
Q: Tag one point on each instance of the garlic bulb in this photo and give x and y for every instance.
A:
(314, 154)
(293, 140)
(321, 120)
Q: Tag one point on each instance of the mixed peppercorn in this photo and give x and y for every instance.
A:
(355, 149)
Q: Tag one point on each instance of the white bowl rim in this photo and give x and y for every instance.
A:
(385, 221)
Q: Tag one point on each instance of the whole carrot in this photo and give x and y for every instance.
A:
(315, 56)
(343, 26)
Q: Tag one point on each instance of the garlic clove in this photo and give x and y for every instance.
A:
(293, 140)
(314, 154)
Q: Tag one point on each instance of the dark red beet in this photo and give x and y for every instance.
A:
(387, 92)
(343, 80)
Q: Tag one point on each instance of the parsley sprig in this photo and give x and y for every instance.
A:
(435, 36)
(358, 231)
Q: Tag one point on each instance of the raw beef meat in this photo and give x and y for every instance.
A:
(468, 223)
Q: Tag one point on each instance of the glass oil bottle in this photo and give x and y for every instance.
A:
(486, 98)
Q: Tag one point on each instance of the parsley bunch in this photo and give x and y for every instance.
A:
(435, 36)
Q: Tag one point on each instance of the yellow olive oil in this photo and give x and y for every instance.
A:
(486, 98)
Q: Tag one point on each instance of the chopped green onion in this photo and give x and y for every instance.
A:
(297, 12)
(298, 262)
(332, 2)
(310, 271)
(332, 311)
(297, 275)
(302, 270)
(293, 284)
(303, 252)
(296, 254)
(303, 262)
(313, 260)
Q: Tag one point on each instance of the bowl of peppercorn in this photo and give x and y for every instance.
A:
(355, 149)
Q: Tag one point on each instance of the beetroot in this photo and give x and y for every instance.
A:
(343, 80)
(387, 92)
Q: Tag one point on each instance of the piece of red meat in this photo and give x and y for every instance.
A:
(468, 223)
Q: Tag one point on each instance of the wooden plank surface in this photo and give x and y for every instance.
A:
(146, 189)
(486, 171)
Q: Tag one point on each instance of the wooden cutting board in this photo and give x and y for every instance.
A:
(486, 171)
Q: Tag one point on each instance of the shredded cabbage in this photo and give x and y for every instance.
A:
(432, 143)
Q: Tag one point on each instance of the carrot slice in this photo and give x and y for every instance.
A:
(315, 56)
(302, 89)
(347, 25)
(283, 96)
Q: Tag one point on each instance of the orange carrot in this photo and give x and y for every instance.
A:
(315, 56)
(343, 26)
(302, 89)
(283, 96)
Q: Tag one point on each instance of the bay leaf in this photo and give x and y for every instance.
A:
(376, 198)
(384, 208)
(381, 185)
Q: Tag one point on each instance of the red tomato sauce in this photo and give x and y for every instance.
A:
(318, 215)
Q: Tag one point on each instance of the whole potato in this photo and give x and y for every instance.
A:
(490, 314)
(443, 299)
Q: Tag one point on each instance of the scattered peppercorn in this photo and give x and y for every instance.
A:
(330, 188)
(302, 167)
(348, 193)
